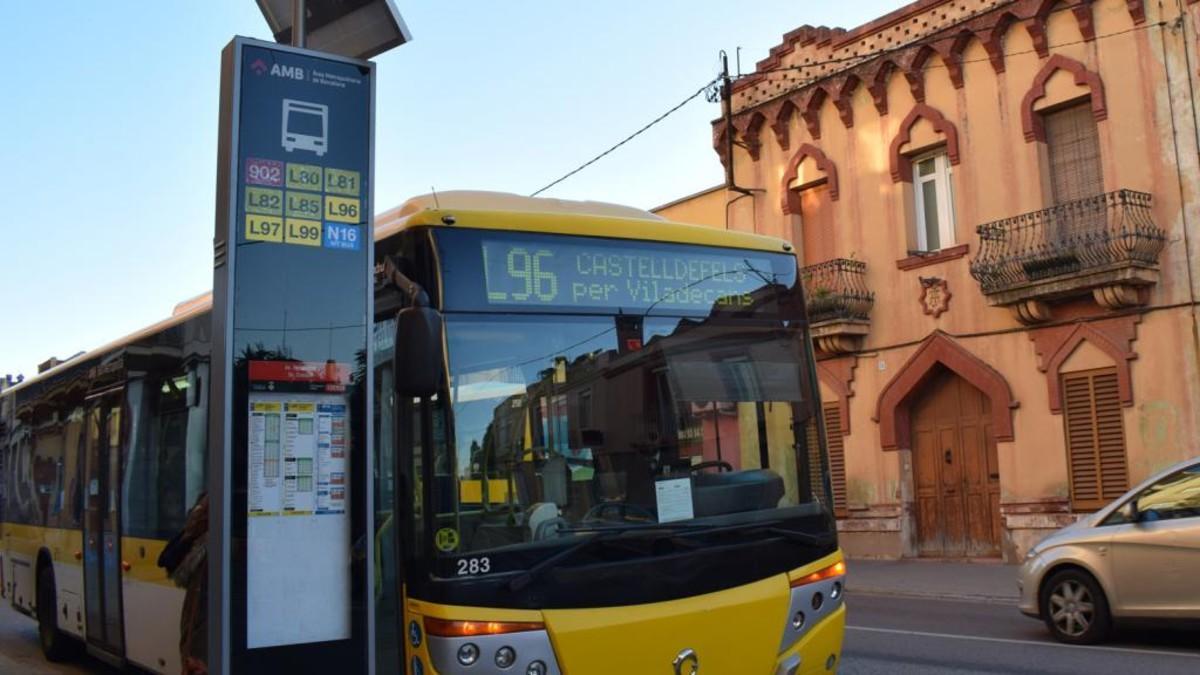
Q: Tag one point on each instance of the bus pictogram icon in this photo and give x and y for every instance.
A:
(305, 126)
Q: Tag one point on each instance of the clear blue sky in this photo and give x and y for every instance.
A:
(110, 124)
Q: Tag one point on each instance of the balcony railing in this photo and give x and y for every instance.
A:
(1082, 239)
(837, 290)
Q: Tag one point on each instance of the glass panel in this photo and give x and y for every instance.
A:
(155, 481)
(386, 582)
(523, 272)
(929, 203)
(569, 421)
(1176, 496)
(926, 167)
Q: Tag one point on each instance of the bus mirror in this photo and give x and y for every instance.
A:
(418, 352)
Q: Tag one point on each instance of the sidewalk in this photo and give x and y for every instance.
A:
(956, 580)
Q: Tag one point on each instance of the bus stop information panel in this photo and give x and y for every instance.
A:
(294, 296)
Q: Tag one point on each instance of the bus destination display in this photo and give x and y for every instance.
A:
(572, 275)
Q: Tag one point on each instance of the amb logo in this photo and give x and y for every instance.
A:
(289, 72)
(277, 70)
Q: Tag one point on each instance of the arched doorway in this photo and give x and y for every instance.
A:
(956, 474)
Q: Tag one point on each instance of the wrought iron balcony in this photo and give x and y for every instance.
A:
(1107, 244)
(839, 303)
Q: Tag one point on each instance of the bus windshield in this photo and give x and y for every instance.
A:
(561, 424)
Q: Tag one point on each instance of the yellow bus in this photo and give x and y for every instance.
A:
(617, 465)
(602, 455)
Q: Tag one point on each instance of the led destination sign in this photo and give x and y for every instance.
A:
(558, 274)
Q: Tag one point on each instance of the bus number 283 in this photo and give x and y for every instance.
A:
(469, 566)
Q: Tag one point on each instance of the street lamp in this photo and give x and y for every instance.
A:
(359, 29)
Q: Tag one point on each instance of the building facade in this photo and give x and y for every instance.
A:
(996, 203)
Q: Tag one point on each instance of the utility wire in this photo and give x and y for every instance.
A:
(874, 55)
(628, 138)
(858, 58)
(938, 36)
(928, 41)
(816, 80)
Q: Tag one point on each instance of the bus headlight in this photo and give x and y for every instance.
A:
(489, 647)
(505, 657)
(468, 654)
(814, 596)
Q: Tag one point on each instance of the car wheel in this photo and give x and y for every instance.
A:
(1075, 609)
(56, 645)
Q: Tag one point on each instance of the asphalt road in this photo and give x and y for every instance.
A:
(20, 653)
(897, 635)
(885, 634)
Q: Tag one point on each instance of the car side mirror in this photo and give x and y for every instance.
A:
(418, 352)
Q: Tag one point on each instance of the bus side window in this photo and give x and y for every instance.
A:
(76, 449)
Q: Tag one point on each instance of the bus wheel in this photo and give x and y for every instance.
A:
(56, 645)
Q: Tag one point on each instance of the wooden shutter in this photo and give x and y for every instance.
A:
(835, 447)
(1074, 149)
(835, 443)
(1095, 434)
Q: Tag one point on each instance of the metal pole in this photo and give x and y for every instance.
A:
(727, 114)
(298, 23)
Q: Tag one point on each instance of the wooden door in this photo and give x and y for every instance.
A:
(955, 470)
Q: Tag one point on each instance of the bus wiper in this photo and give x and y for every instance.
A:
(602, 535)
(527, 577)
(815, 540)
(673, 527)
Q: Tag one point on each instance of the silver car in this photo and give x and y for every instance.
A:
(1137, 558)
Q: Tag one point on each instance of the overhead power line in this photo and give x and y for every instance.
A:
(859, 58)
(940, 35)
(628, 138)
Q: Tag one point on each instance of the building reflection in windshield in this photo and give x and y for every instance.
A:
(566, 420)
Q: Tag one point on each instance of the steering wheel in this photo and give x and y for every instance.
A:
(623, 509)
(725, 467)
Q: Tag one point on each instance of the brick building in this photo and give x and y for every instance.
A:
(996, 203)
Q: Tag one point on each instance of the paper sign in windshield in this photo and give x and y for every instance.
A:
(674, 499)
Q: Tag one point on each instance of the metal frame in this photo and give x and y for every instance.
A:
(221, 368)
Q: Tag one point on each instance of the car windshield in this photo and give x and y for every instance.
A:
(564, 423)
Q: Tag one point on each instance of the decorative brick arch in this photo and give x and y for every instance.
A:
(749, 132)
(844, 101)
(901, 167)
(893, 411)
(1037, 24)
(811, 112)
(838, 375)
(1031, 122)
(993, 44)
(952, 55)
(915, 72)
(791, 198)
(1114, 337)
(781, 119)
(720, 142)
(879, 84)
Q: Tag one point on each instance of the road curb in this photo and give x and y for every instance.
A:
(959, 597)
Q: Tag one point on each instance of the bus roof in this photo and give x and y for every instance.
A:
(504, 211)
(491, 211)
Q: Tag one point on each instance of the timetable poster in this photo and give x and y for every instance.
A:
(297, 440)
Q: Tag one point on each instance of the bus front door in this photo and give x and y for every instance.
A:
(101, 523)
